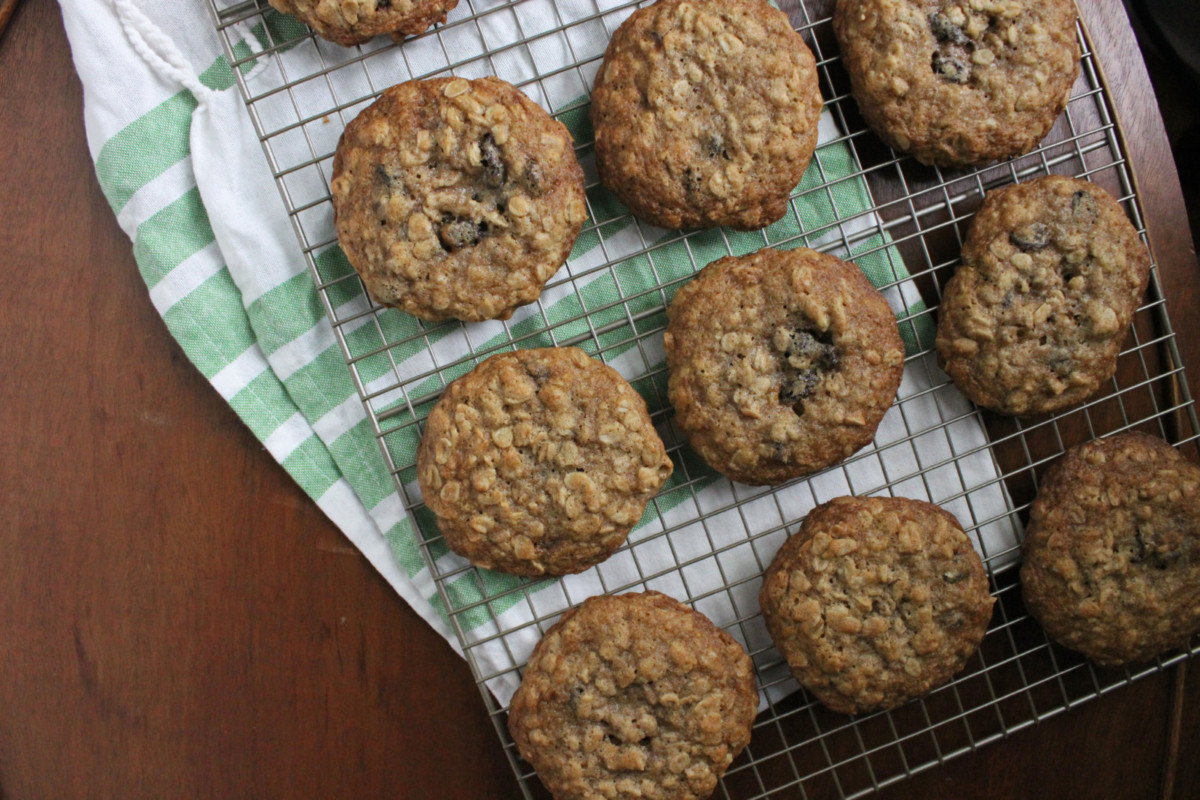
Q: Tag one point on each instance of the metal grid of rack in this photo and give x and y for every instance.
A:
(706, 541)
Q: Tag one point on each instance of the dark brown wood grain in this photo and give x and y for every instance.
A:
(177, 619)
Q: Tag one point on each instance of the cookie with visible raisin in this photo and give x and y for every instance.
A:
(1052, 274)
(350, 22)
(705, 113)
(539, 462)
(781, 363)
(876, 601)
(635, 695)
(455, 198)
(1111, 557)
(959, 84)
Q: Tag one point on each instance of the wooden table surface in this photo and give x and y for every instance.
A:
(177, 619)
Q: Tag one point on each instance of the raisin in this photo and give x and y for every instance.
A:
(381, 174)
(951, 68)
(946, 31)
(1032, 237)
(540, 374)
(801, 387)
(492, 160)
(1061, 364)
(383, 4)
(1161, 545)
(459, 233)
(1082, 204)
(808, 358)
(714, 145)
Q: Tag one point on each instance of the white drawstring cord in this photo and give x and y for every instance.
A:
(157, 49)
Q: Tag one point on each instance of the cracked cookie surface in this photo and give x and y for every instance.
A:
(1052, 274)
(781, 363)
(539, 462)
(350, 22)
(1112, 550)
(456, 199)
(959, 82)
(876, 601)
(705, 113)
(634, 695)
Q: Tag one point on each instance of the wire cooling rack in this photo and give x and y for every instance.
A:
(704, 540)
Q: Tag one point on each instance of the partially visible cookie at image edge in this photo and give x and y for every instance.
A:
(705, 113)
(959, 84)
(1111, 557)
(350, 22)
(456, 198)
(634, 695)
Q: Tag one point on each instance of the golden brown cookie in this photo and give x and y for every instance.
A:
(635, 695)
(539, 462)
(705, 113)
(1052, 274)
(876, 601)
(957, 83)
(781, 363)
(1112, 550)
(349, 22)
(456, 198)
